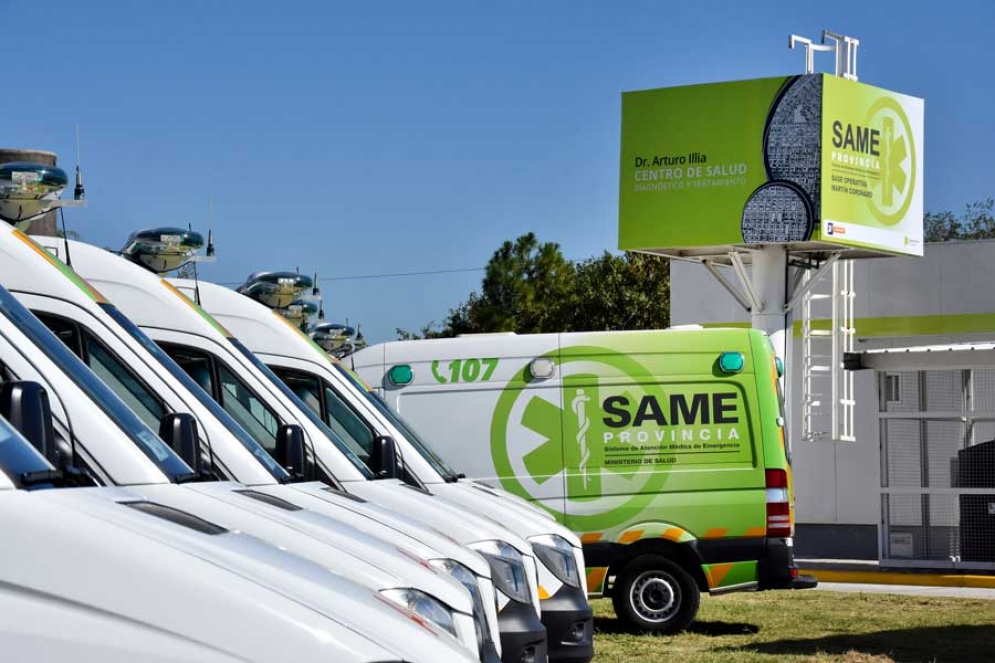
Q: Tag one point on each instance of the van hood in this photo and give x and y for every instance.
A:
(225, 591)
(521, 520)
(502, 494)
(338, 548)
(291, 575)
(444, 516)
(418, 539)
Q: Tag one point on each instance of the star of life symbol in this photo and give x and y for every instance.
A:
(549, 445)
(578, 405)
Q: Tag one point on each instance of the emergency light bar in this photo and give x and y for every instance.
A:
(298, 311)
(275, 289)
(331, 336)
(162, 249)
(333, 329)
(327, 342)
(336, 339)
(28, 190)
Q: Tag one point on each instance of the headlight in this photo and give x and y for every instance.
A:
(558, 556)
(425, 606)
(507, 569)
(469, 581)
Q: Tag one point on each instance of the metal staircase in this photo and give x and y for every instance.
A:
(827, 388)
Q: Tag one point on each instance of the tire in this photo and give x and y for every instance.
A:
(654, 595)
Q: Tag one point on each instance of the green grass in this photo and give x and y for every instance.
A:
(812, 626)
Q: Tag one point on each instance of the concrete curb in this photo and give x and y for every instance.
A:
(899, 578)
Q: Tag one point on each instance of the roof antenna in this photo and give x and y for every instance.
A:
(210, 231)
(196, 285)
(79, 193)
(315, 290)
(65, 239)
(209, 252)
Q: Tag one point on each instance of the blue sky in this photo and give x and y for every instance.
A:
(382, 137)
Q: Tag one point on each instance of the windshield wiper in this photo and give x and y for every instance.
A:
(196, 477)
(54, 477)
(297, 477)
(69, 477)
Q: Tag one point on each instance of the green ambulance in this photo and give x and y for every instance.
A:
(663, 450)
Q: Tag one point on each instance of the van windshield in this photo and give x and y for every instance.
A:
(350, 452)
(425, 451)
(116, 411)
(252, 444)
(18, 458)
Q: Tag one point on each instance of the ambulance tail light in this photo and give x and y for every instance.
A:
(778, 504)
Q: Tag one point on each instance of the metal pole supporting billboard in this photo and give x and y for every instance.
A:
(770, 273)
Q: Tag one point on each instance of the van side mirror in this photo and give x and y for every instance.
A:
(179, 431)
(289, 451)
(25, 405)
(384, 457)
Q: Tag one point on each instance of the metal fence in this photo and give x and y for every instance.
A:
(938, 468)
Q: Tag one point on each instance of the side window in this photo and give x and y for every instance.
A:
(66, 330)
(243, 405)
(111, 370)
(336, 414)
(124, 383)
(307, 388)
(230, 392)
(341, 417)
(197, 365)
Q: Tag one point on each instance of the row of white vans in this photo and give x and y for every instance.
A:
(171, 490)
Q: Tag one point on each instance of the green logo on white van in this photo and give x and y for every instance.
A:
(602, 443)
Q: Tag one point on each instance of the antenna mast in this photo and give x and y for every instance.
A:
(79, 193)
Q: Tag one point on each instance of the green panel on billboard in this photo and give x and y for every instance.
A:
(800, 160)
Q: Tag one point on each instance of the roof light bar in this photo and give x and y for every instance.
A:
(298, 311)
(162, 249)
(28, 190)
(275, 289)
(333, 329)
(337, 339)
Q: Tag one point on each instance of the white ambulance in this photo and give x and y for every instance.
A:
(94, 439)
(223, 367)
(259, 506)
(327, 388)
(75, 584)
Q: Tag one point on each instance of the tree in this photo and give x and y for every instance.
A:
(631, 291)
(529, 287)
(977, 222)
(524, 287)
(427, 331)
(941, 227)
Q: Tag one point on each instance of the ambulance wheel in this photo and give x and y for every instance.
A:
(655, 595)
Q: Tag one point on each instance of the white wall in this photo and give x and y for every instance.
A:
(837, 483)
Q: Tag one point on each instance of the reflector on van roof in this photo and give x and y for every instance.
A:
(162, 249)
(28, 190)
(275, 289)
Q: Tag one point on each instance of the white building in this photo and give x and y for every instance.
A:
(917, 487)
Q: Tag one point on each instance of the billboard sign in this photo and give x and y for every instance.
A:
(795, 160)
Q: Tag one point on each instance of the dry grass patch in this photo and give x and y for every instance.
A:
(814, 627)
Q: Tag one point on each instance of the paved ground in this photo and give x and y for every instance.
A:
(911, 590)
